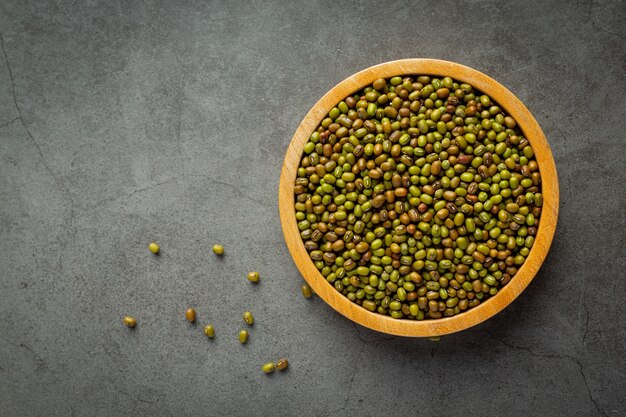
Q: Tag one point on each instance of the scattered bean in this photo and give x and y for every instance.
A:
(248, 318)
(253, 277)
(130, 322)
(307, 291)
(190, 315)
(218, 249)
(154, 248)
(268, 368)
(282, 364)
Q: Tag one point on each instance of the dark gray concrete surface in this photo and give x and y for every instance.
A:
(127, 121)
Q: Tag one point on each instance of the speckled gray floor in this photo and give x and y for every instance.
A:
(127, 121)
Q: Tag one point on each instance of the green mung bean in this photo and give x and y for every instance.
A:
(253, 277)
(268, 368)
(248, 318)
(209, 331)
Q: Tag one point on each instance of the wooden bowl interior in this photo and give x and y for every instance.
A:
(437, 327)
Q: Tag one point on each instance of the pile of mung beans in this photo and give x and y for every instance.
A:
(418, 197)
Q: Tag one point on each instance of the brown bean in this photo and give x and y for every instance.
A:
(190, 315)
(400, 192)
(465, 159)
(329, 257)
(362, 247)
(378, 201)
(449, 195)
(478, 256)
(435, 168)
(375, 173)
(309, 245)
(442, 92)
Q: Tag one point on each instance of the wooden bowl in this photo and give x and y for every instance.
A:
(435, 327)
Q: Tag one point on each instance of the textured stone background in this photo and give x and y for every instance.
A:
(127, 121)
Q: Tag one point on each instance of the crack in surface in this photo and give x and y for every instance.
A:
(9, 122)
(575, 360)
(39, 362)
(516, 70)
(64, 188)
(352, 377)
(358, 333)
(25, 346)
(176, 177)
(72, 215)
(355, 369)
(234, 187)
(596, 25)
(149, 187)
(30, 135)
(601, 29)
(579, 361)
(345, 402)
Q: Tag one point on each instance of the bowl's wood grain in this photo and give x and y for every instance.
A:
(513, 106)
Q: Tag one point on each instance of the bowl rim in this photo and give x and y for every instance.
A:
(543, 239)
